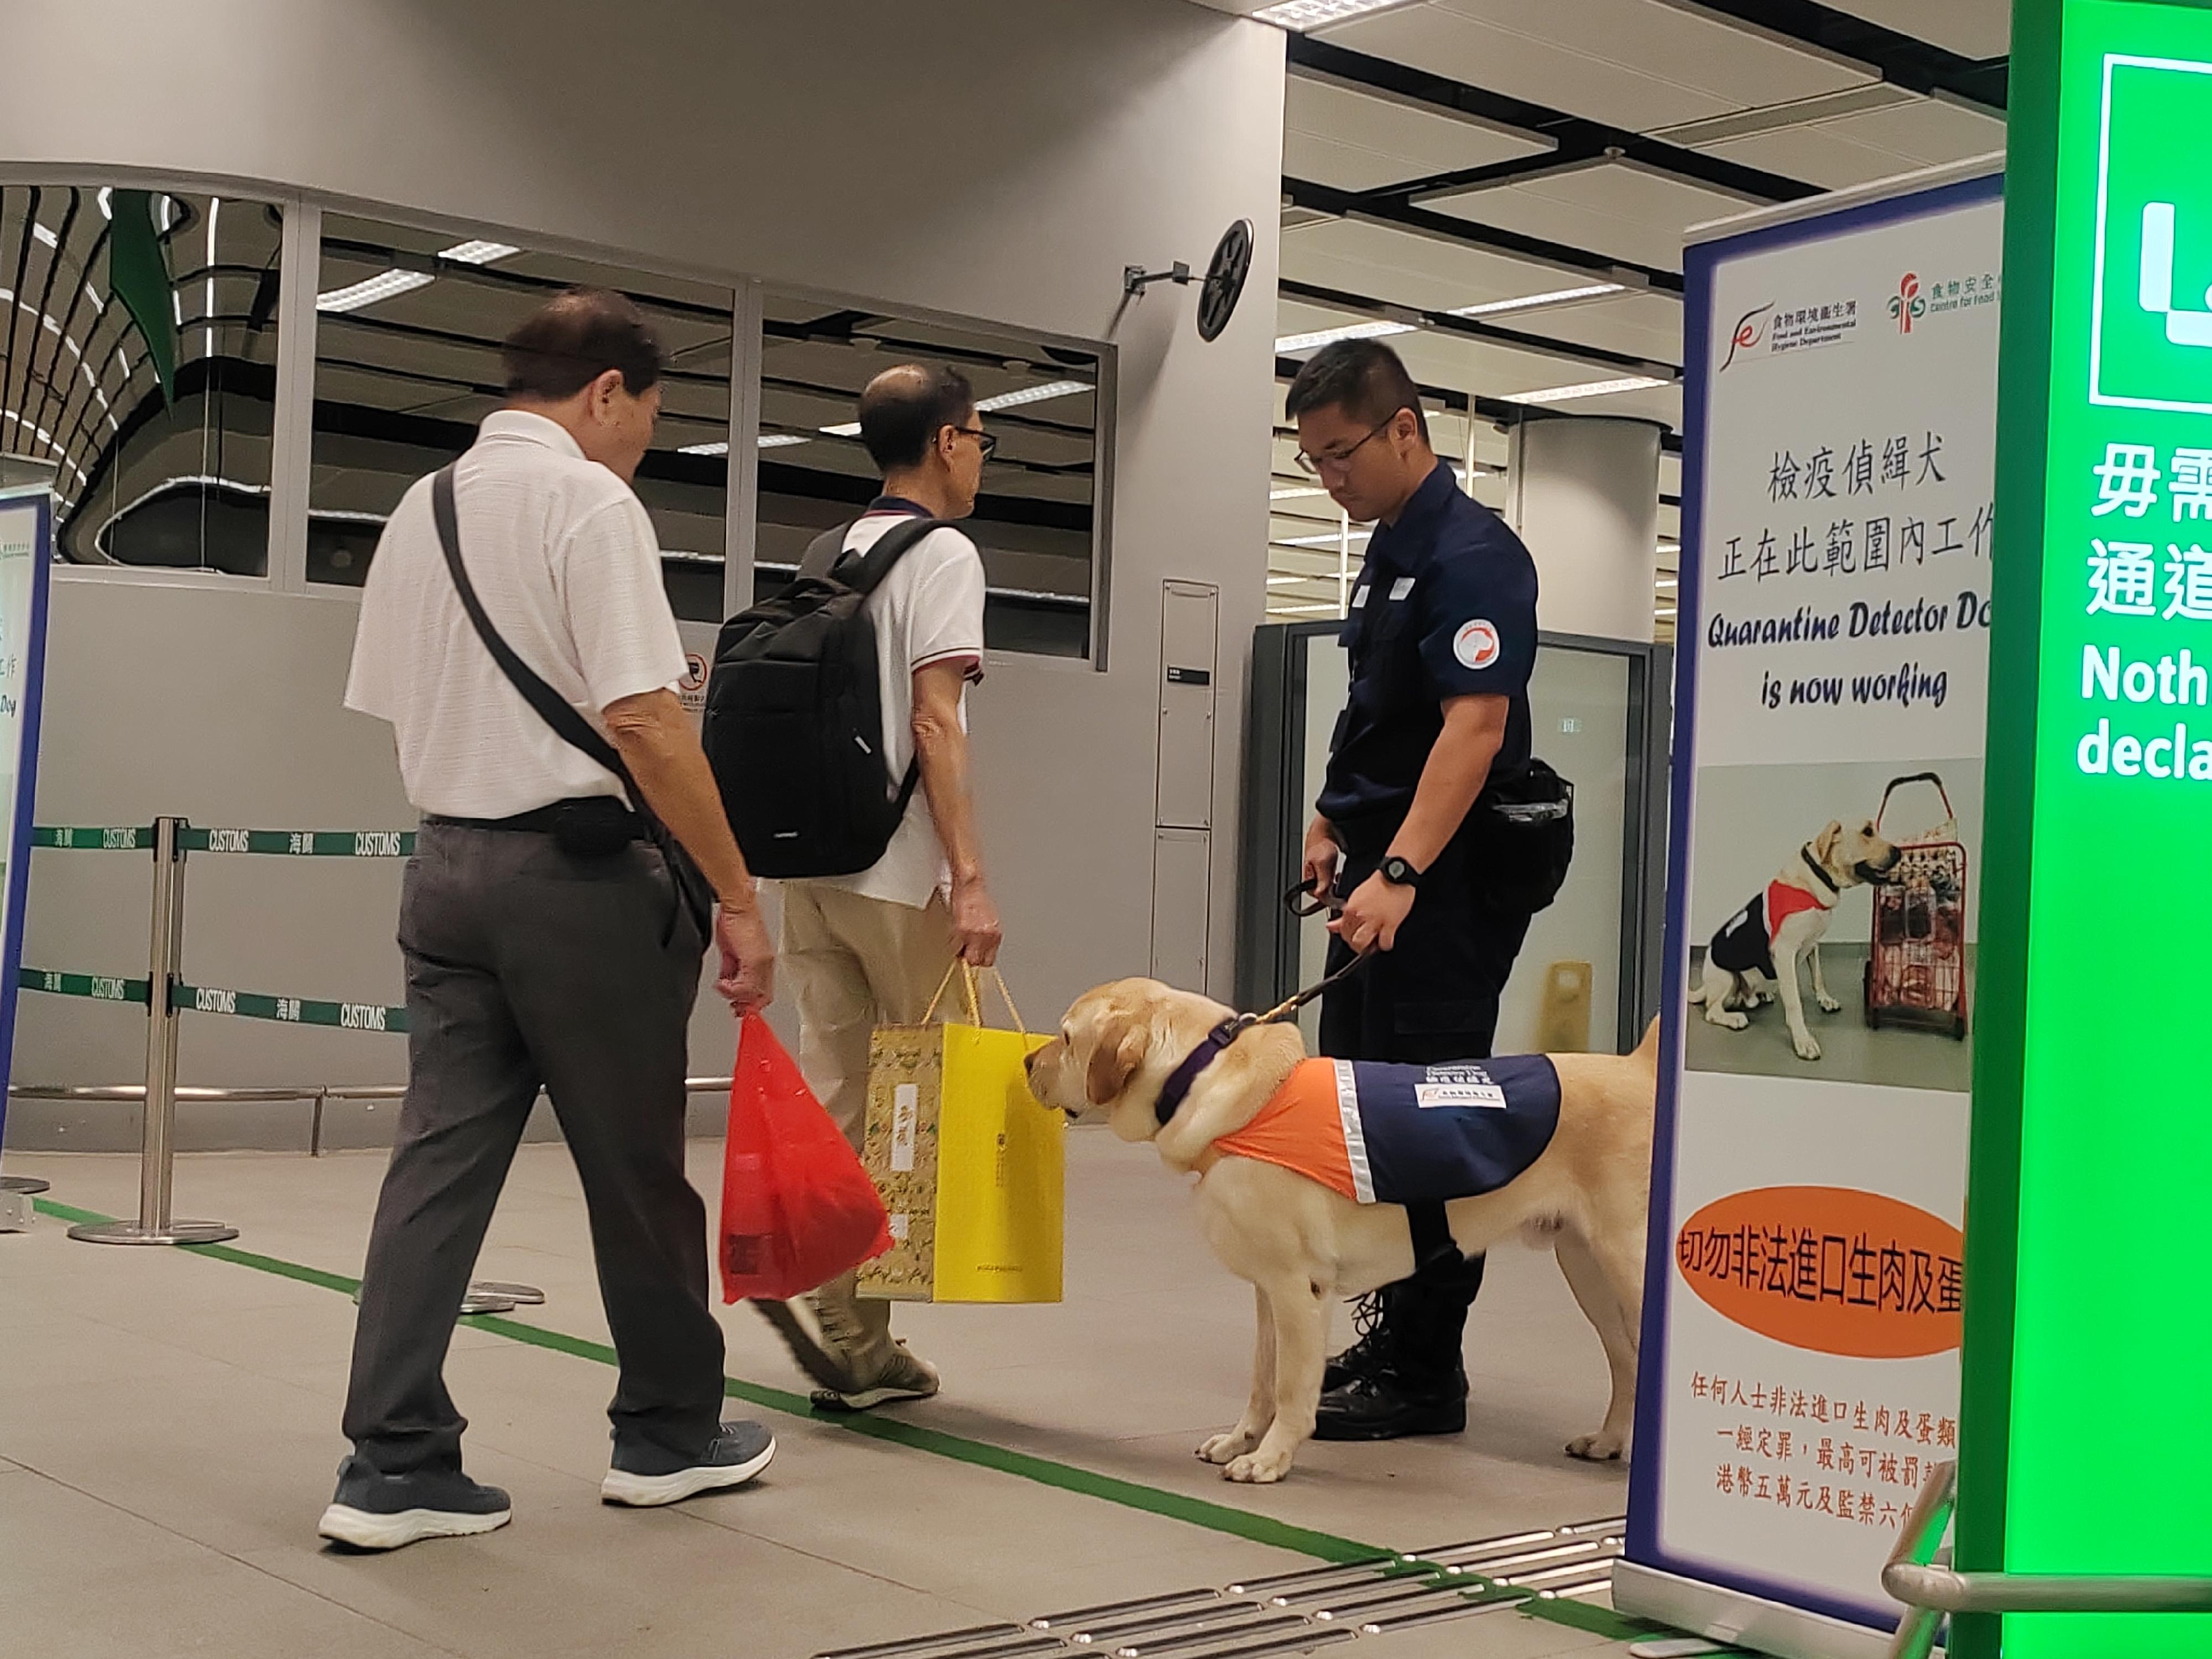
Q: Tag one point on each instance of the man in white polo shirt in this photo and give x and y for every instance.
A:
(548, 942)
(871, 949)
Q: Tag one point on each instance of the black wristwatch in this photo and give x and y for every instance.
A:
(1399, 873)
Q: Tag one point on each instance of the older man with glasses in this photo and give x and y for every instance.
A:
(1442, 640)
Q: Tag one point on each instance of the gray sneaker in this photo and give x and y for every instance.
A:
(372, 1510)
(904, 1377)
(818, 1347)
(644, 1476)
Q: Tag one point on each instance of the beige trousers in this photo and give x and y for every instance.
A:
(854, 963)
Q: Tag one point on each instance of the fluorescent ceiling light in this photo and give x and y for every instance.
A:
(1330, 540)
(1529, 301)
(1664, 581)
(780, 440)
(1670, 547)
(1664, 610)
(384, 285)
(844, 429)
(703, 449)
(1292, 581)
(1560, 394)
(1296, 492)
(1318, 13)
(477, 253)
(1034, 394)
(1330, 610)
(1374, 330)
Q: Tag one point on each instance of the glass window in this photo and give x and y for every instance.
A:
(407, 334)
(1034, 522)
(138, 370)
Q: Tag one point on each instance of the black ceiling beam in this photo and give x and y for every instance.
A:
(1467, 232)
(1903, 60)
(1474, 328)
(1575, 138)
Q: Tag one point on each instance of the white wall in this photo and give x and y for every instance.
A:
(996, 159)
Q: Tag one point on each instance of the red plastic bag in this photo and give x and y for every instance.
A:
(798, 1209)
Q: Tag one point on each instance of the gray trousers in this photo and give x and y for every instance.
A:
(527, 966)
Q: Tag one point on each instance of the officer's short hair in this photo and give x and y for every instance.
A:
(1364, 378)
(903, 409)
(575, 338)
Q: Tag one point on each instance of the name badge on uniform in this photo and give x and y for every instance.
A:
(1401, 589)
(1359, 599)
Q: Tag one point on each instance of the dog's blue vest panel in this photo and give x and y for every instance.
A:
(1430, 1133)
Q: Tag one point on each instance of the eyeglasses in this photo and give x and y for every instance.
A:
(986, 442)
(1312, 465)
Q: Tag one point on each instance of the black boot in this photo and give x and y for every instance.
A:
(1370, 1319)
(1416, 1379)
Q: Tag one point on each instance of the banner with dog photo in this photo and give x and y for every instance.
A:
(1802, 1319)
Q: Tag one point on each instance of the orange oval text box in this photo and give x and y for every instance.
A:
(1832, 1269)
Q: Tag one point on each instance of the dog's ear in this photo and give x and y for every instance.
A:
(1114, 1058)
(1824, 844)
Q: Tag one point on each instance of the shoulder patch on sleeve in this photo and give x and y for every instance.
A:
(1476, 644)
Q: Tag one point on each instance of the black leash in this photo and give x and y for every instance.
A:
(1181, 1081)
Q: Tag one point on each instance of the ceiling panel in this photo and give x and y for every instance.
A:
(1353, 141)
(1413, 269)
(1619, 211)
(1856, 148)
(1974, 28)
(1634, 63)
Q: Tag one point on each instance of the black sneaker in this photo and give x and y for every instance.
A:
(1365, 1355)
(376, 1511)
(644, 1476)
(1388, 1405)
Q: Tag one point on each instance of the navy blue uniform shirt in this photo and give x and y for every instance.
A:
(1446, 607)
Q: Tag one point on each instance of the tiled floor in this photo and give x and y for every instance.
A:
(168, 1427)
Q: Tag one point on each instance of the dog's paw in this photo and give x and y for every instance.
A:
(1600, 1448)
(1258, 1469)
(1730, 1018)
(1803, 1043)
(1829, 1004)
(1226, 1448)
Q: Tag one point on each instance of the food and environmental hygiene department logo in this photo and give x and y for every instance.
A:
(1907, 304)
(2150, 344)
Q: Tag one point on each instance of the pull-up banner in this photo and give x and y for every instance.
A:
(2089, 1254)
(1799, 1376)
(26, 528)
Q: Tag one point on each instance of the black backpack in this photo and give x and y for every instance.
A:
(795, 716)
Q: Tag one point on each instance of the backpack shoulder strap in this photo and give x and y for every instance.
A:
(867, 572)
(824, 551)
(551, 706)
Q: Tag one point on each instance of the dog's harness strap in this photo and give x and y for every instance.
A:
(1432, 1239)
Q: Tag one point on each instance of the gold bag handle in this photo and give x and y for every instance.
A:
(973, 978)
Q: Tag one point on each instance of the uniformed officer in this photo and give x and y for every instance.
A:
(1442, 639)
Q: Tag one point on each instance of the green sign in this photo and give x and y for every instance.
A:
(2089, 1216)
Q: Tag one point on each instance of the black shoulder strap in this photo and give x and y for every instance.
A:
(552, 707)
(863, 573)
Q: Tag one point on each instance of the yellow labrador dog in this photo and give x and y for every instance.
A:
(1762, 943)
(1302, 1243)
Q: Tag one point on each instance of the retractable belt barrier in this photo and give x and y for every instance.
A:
(165, 995)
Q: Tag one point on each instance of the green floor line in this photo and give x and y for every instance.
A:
(1152, 1500)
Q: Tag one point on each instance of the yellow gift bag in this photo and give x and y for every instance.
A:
(970, 1167)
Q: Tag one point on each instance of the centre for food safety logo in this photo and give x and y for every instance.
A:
(1908, 304)
(2151, 300)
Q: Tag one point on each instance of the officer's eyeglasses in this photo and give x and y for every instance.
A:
(987, 442)
(1337, 460)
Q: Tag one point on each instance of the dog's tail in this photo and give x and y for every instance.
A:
(1698, 994)
(1647, 1051)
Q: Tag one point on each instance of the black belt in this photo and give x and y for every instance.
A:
(539, 820)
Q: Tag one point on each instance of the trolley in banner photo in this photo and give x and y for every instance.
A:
(1916, 970)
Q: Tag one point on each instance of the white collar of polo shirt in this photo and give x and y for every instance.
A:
(521, 425)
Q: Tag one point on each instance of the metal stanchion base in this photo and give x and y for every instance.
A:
(26, 1185)
(177, 1232)
(488, 1298)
